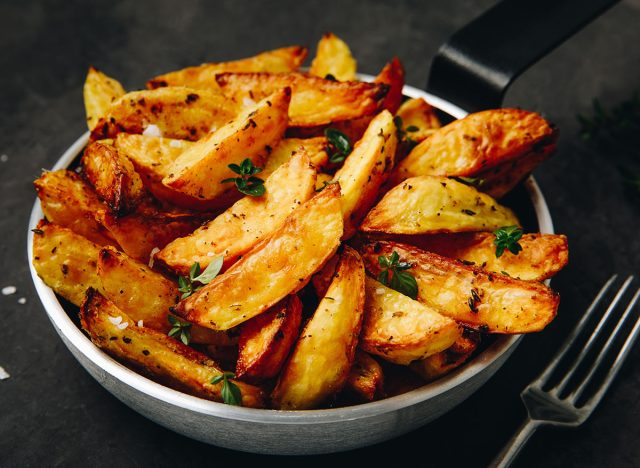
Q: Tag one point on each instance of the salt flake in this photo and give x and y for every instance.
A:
(123, 325)
(176, 143)
(4, 158)
(115, 320)
(22, 300)
(8, 290)
(380, 291)
(140, 323)
(4, 374)
(152, 131)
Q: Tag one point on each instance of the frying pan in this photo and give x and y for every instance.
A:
(471, 72)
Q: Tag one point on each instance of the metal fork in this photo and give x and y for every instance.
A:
(551, 407)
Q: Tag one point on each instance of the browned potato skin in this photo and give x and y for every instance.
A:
(418, 113)
(140, 232)
(444, 362)
(366, 377)
(199, 171)
(99, 93)
(179, 112)
(392, 75)
(283, 60)
(154, 353)
(432, 204)
(265, 340)
(333, 57)
(69, 201)
(315, 101)
(146, 295)
(65, 261)
(113, 177)
(400, 329)
(481, 145)
(279, 265)
(321, 361)
(251, 219)
(506, 305)
(542, 255)
(365, 170)
(316, 149)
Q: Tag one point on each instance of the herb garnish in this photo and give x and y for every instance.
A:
(507, 238)
(339, 145)
(37, 231)
(400, 280)
(409, 142)
(325, 184)
(230, 392)
(180, 330)
(186, 284)
(330, 77)
(472, 181)
(247, 183)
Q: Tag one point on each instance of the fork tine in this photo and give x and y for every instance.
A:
(544, 377)
(577, 393)
(592, 339)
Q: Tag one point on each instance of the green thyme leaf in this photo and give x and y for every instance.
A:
(186, 285)
(472, 181)
(247, 183)
(211, 271)
(507, 239)
(230, 392)
(180, 330)
(412, 128)
(339, 145)
(395, 276)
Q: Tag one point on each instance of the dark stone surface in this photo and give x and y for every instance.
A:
(53, 413)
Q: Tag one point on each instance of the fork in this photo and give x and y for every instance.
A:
(551, 406)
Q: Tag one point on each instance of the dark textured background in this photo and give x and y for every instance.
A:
(53, 413)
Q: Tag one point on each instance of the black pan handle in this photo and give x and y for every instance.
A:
(476, 66)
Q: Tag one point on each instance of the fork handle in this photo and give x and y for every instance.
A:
(513, 447)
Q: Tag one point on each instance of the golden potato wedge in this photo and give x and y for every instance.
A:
(393, 76)
(479, 145)
(99, 92)
(322, 180)
(401, 330)
(314, 101)
(316, 149)
(113, 177)
(178, 112)
(334, 58)
(247, 222)
(541, 257)
(429, 205)
(265, 340)
(283, 60)
(68, 200)
(140, 232)
(277, 266)
(321, 361)
(65, 261)
(365, 169)
(156, 354)
(366, 377)
(485, 301)
(200, 170)
(451, 358)
(145, 295)
(419, 119)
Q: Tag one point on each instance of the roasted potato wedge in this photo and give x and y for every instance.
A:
(65, 261)
(178, 112)
(139, 233)
(393, 76)
(100, 91)
(277, 266)
(485, 301)
(542, 255)
(314, 101)
(451, 358)
(200, 170)
(145, 295)
(113, 177)
(68, 200)
(429, 205)
(249, 220)
(365, 169)
(479, 146)
(265, 340)
(153, 352)
(283, 60)
(419, 119)
(322, 180)
(366, 377)
(321, 360)
(401, 330)
(334, 58)
(316, 149)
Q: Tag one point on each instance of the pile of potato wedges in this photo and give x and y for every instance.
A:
(263, 236)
